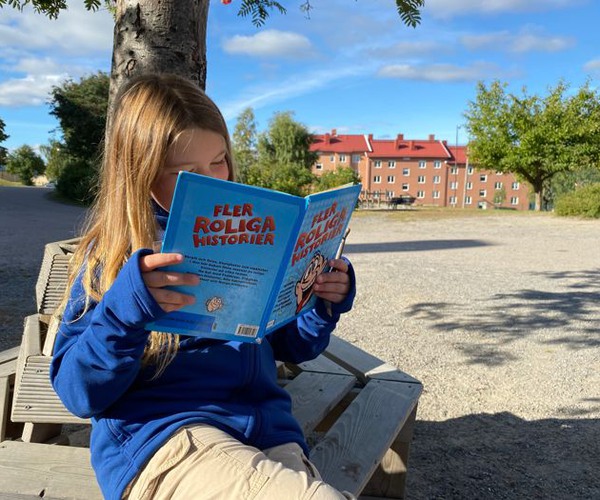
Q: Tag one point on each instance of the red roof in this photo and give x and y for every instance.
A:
(417, 148)
(334, 143)
(460, 153)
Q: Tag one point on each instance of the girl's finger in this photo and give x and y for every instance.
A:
(333, 278)
(158, 279)
(170, 300)
(156, 260)
(339, 265)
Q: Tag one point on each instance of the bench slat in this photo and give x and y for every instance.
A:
(315, 394)
(47, 471)
(351, 450)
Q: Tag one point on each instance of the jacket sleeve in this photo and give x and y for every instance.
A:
(99, 347)
(308, 336)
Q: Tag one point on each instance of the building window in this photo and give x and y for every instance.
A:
(515, 185)
(454, 185)
(436, 179)
(319, 166)
(482, 193)
(392, 164)
(332, 158)
(468, 200)
(436, 195)
(452, 200)
(421, 179)
(497, 185)
(343, 158)
(454, 170)
(377, 163)
(391, 179)
(483, 177)
(355, 158)
(405, 187)
(421, 194)
(406, 172)
(377, 179)
(437, 164)
(422, 164)
(514, 200)
(469, 170)
(469, 185)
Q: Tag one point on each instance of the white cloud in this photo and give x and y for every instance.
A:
(408, 49)
(439, 72)
(452, 8)
(32, 90)
(525, 41)
(270, 43)
(76, 31)
(592, 66)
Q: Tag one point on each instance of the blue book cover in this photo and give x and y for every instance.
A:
(257, 252)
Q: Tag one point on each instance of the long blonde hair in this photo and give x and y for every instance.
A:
(151, 111)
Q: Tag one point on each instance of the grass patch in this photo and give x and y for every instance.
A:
(4, 182)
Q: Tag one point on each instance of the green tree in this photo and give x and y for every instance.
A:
(3, 137)
(284, 156)
(56, 159)
(25, 163)
(339, 177)
(534, 137)
(81, 110)
(499, 196)
(244, 142)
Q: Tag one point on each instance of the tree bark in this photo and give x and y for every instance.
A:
(158, 36)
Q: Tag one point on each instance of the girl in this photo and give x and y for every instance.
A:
(173, 416)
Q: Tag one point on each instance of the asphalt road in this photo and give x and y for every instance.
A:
(29, 218)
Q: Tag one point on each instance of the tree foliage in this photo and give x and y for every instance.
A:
(259, 10)
(80, 108)
(534, 137)
(25, 163)
(284, 159)
(3, 137)
(244, 141)
(583, 202)
(339, 177)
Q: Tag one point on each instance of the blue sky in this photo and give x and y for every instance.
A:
(352, 66)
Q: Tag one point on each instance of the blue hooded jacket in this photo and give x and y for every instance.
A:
(97, 373)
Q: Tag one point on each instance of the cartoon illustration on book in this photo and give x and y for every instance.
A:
(214, 304)
(304, 287)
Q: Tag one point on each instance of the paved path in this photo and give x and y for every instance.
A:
(29, 218)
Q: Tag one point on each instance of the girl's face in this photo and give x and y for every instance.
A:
(196, 150)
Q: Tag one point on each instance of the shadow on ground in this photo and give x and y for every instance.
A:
(413, 246)
(500, 456)
(507, 317)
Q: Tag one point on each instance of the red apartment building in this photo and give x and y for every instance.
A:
(428, 169)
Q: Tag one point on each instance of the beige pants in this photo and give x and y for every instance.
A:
(201, 462)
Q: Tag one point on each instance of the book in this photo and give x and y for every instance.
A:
(257, 252)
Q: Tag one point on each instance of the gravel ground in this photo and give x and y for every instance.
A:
(497, 315)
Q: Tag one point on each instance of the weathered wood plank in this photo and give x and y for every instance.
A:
(47, 471)
(315, 394)
(352, 449)
(35, 400)
(323, 365)
(362, 364)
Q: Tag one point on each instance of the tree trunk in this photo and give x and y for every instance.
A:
(158, 36)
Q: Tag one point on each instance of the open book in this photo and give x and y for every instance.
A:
(257, 253)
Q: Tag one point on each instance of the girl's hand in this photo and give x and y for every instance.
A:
(333, 286)
(156, 280)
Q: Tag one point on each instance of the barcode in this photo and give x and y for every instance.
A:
(246, 330)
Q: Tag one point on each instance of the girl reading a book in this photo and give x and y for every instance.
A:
(173, 416)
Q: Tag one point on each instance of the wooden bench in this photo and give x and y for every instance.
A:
(357, 413)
